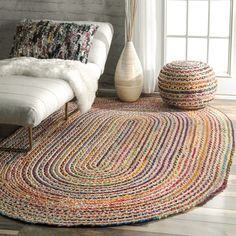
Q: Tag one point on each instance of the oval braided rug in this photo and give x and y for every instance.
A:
(117, 164)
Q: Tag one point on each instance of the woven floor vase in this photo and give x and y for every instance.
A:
(129, 75)
(187, 85)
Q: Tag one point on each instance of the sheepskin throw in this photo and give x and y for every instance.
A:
(75, 73)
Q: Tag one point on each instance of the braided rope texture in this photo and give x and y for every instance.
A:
(118, 164)
(187, 84)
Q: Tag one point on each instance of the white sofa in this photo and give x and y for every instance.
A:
(27, 101)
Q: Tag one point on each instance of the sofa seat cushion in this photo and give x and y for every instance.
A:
(26, 101)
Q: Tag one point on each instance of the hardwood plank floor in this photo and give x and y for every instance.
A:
(216, 218)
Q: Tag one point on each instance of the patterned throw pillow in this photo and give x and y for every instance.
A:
(48, 39)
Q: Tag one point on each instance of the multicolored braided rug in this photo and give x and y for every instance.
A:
(117, 164)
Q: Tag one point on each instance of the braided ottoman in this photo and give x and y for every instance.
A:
(187, 84)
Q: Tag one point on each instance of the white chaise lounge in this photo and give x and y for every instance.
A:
(27, 100)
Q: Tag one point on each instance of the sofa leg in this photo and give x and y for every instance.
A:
(30, 132)
(66, 111)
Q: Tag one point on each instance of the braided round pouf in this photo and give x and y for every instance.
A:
(187, 84)
(117, 164)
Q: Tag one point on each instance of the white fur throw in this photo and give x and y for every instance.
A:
(74, 72)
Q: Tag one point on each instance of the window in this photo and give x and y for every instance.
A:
(200, 30)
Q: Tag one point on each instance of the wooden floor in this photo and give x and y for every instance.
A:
(216, 218)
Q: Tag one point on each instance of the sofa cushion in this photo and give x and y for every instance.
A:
(26, 101)
(49, 39)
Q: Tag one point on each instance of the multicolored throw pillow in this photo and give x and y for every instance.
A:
(48, 39)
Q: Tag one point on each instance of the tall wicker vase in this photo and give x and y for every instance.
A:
(129, 72)
(129, 75)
